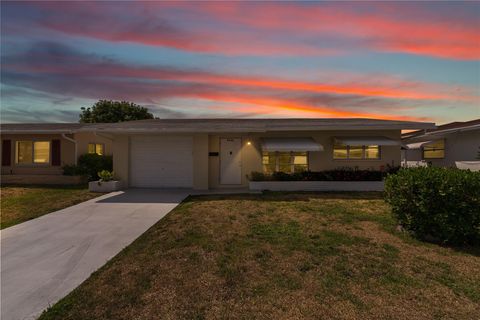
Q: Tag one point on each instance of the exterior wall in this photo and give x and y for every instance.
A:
(121, 155)
(459, 146)
(200, 161)
(412, 155)
(84, 138)
(318, 161)
(67, 149)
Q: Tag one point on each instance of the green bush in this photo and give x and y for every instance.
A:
(437, 204)
(345, 174)
(89, 165)
(73, 170)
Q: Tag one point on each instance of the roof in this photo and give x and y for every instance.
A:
(258, 125)
(442, 130)
(217, 125)
(41, 127)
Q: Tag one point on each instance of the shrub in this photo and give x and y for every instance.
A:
(106, 175)
(89, 165)
(73, 170)
(437, 204)
(330, 175)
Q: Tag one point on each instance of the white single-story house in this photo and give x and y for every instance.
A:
(445, 145)
(36, 152)
(205, 153)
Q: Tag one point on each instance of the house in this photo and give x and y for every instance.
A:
(444, 145)
(206, 153)
(36, 152)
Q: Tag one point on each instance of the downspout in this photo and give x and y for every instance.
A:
(74, 143)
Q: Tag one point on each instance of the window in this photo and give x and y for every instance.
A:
(29, 152)
(287, 162)
(434, 150)
(341, 151)
(98, 148)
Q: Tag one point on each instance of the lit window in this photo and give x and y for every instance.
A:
(97, 148)
(300, 161)
(269, 162)
(434, 150)
(28, 152)
(41, 151)
(287, 162)
(372, 152)
(355, 152)
(341, 151)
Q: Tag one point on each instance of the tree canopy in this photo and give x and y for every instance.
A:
(108, 111)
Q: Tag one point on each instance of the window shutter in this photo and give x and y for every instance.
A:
(6, 153)
(56, 153)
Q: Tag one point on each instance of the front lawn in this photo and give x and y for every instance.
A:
(279, 256)
(22, 203)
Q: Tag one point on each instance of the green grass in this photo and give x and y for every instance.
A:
(280, 256)
(22, 203)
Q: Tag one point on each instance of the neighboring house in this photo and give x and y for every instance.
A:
(37, 151)
(444, 145)
(209, 153)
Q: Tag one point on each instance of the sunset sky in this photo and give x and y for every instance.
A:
(403, 60)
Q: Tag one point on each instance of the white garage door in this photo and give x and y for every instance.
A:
(161, 162)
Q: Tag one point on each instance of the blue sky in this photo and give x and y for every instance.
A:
(403, 60)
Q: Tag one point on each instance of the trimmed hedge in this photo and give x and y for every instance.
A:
(437, 204)
(329, 175)
(89, 165)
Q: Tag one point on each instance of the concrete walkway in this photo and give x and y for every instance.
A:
(42, 260)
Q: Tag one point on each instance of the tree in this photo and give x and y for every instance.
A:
(108, 111)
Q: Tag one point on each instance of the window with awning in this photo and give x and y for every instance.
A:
(287, 155)
(360, 148)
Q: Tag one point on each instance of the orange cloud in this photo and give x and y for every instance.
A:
(239, 28)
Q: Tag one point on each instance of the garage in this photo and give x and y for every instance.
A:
(161, 162)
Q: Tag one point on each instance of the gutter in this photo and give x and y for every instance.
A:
(74, 143)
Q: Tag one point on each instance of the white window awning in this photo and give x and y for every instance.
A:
(290, 144)
(367, 141)
(417, 145)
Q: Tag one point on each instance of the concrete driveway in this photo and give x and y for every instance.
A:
(42, 260)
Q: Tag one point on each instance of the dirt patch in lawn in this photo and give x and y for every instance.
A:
(279, 256)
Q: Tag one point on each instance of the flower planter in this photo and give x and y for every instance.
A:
(105, 186)
(317, 185)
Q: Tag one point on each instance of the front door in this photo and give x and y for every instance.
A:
(230, 161)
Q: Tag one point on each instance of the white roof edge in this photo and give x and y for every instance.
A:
(467, 128)
(286, 125)
(256, 129)
(36, 131)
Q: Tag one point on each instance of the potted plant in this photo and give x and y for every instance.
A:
(106, 182)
